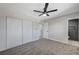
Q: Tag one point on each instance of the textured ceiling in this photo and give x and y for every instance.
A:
(25, 10)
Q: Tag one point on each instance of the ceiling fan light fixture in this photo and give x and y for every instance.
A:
(45, 12)
(44, 15)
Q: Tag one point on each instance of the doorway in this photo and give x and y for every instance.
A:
(73, 29)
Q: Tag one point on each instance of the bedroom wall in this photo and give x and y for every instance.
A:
(58, 27)
(15, 32)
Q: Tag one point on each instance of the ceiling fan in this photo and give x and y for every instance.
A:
(45, 12)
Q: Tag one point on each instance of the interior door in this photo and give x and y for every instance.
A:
(73, 29)
(36, 30)
(45, 30)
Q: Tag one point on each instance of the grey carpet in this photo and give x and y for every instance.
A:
(43, 47)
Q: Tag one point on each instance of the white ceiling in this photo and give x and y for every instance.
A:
(24, 10)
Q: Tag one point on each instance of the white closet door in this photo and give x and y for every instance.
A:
(36, 31)
(14, 32)
(27, 31)
(2, 33)
(19, 32)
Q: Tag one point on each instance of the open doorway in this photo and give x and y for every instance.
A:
(73, 29)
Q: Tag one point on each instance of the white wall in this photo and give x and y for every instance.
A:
(58, 27)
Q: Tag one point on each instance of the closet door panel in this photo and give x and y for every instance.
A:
(2, 33)
(19, 32)
(27, 31)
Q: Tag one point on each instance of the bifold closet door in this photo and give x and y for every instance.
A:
(2, 33)
(14, 32)
(27, 31)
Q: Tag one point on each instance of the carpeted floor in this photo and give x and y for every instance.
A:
(43, 47)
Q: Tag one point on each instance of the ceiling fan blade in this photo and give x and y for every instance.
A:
(47, 14)
(37, 11)
(41, 14)
(52, 11)
(46, 6)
